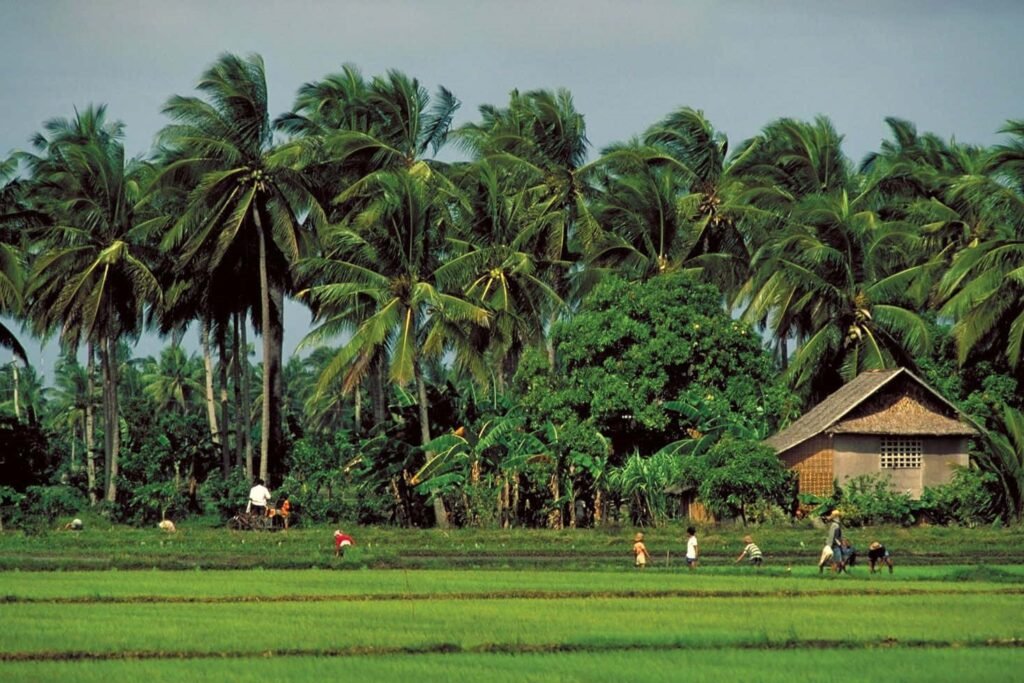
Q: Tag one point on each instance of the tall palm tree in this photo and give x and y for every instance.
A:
(379, 278)
(850, 286)
(984, 286)
(538, 144)
(16, 214)
(244, 219)
(92, 280)
(492, 266)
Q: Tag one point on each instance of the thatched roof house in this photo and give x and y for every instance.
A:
(883, 421)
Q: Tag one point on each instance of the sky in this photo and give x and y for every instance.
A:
(952, 67)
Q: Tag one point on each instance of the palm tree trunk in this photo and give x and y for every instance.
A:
(73, 465)
(90, 425)
(236, 380)
(554, 486)
(225, 412)
(211, 407)
(357, 409)
(14, 373)
(377, 384)
(246, 416)
(440, 513)
(112, 430)
(270, 432)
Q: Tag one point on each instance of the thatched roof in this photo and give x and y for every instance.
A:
(861, 406)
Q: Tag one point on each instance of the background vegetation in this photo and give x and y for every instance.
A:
(537, 334)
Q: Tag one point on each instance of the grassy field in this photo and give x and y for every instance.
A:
(561, 606)
(102, 546)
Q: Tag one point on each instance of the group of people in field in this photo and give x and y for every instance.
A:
(259, 504)
(838, 551)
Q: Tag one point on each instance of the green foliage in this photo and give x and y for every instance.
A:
(51, 502)
(1002, 454)
(633, 347)
(643, 481)
(736, 474)
(967, 500)
(224, 497)
(162, 462)
(872, 499)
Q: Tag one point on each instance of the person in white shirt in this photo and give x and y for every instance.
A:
(259, 496)
(692, 551)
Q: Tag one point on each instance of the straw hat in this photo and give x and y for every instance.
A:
(875, 545)
(639, 536)
(748, 539)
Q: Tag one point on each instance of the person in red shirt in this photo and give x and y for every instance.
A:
(341, 541)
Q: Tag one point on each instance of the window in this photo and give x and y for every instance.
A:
(900, 453)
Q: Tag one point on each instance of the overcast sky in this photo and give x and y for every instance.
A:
(953, 68)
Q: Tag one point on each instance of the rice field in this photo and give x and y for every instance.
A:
(509, 619)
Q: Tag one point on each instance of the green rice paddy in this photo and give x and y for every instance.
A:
(347, 618)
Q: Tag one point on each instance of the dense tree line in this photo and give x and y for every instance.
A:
(518, 337)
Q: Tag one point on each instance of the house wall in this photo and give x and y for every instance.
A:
(856, 455)
(812, 461)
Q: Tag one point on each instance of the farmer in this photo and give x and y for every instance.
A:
(259, 496)
(342, 541)
(877, 556)
(834, 540)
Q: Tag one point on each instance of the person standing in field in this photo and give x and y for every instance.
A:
(692, 548)
(751, 552)
(259, 496)
(640, 554)
(834, 540)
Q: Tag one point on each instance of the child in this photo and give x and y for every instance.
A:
(751, 551)
(341, 541)
(640, 551)
(692, 550)
(877, 556)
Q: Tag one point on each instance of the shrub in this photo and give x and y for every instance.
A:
(50, 502)
(872, 499)
(737, 474)
(967, 499)
(224, 497)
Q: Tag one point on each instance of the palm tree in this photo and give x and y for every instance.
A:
(71, 412)
(243, 220)
(494, 268)
(711, 198)
(171, 382)
(539, 147)
(92, 280)
(849, 285)
(984, 286)
(16, 215)
(379, 277)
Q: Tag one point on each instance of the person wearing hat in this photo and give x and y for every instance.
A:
(877, 556)
(834, 540)
(640, 554)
